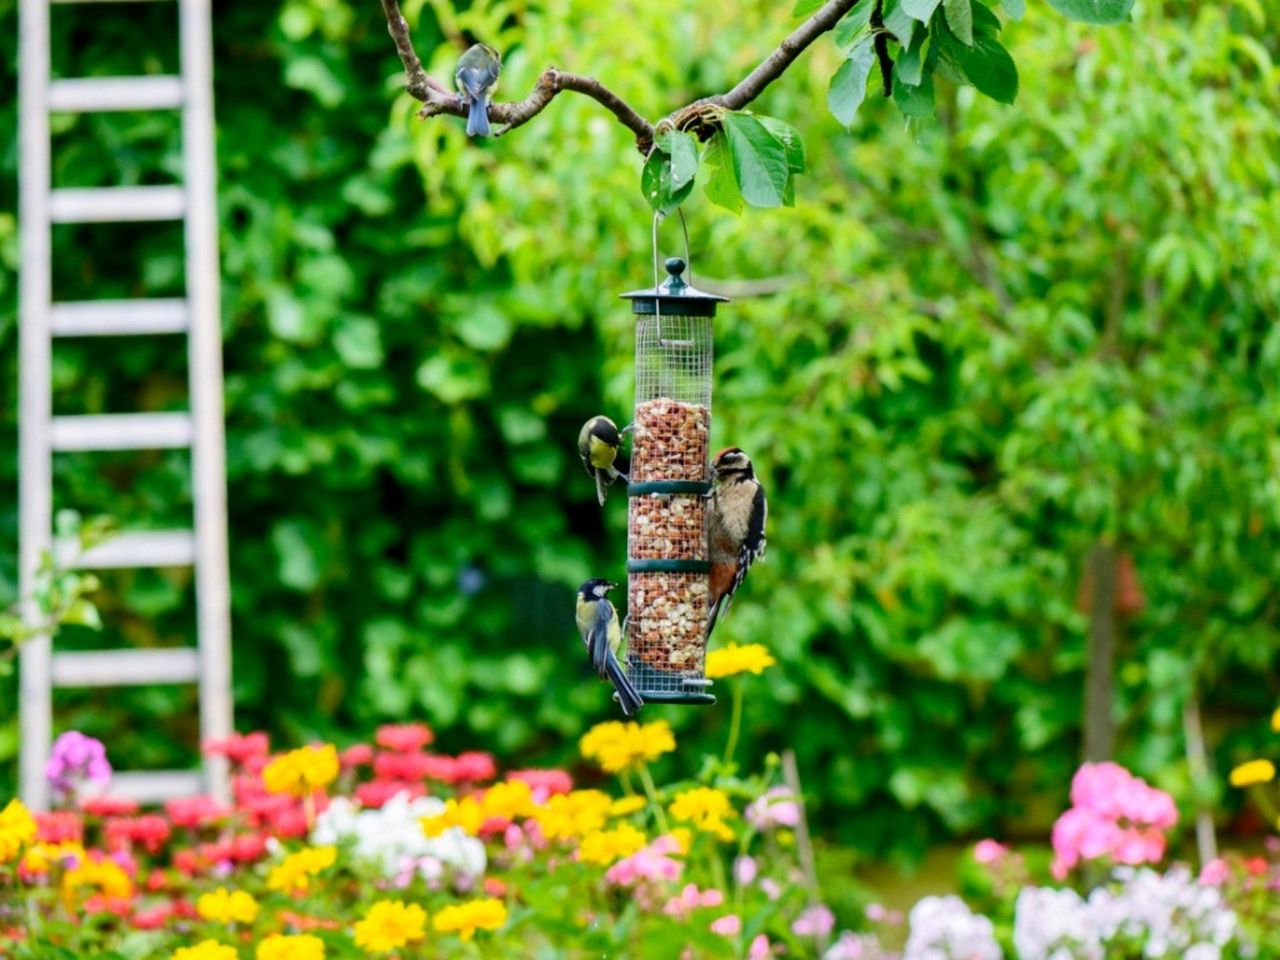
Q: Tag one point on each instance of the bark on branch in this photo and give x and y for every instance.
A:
(437, 99)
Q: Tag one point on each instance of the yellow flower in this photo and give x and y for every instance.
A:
(1275, 720)
(618, 746)
(301, 772)
(684, 837)
(99, 876)
(465, 919)
(733, 659)
(706, 809)
(42, 857)
(17, 828)
(570, 815)
(626, 806)
(508, 800)
(224, 907)
(389, 925)
(1255, 771)
(205, 950)
(281, 947)
(606, 846)
(296, 870)
(465, 814)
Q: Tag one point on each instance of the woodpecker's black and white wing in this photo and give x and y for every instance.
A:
(752, 549)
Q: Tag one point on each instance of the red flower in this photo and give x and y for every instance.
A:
(543, 783)
(97, 903)
(474, 766)
(215, 853)
(444, 769)
(188, 862)
(495, 887)
(150, 831)
(402, 766)
(404, 737)
(152, 919)
(290, 823)
(60, 827)
(248, 847)
(194, 811)
(300, 921)
(356, 756)
(239, 748)
(156, 881)
(1256, 866)
(185, 909)
(374, 794)
(108, 806)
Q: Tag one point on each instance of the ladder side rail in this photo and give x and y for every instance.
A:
(213, 602)
(35, 485)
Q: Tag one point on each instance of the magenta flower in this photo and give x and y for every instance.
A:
(76, 760)
(1114, 814)
(652, 863)
(774, 809)
(729, 925)
(989, 851)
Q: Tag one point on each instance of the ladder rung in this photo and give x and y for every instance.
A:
(90, 94)
(156, 786)
(121, 431)
(116, 204)
(121, 668)
(96, 318)
(145, 548)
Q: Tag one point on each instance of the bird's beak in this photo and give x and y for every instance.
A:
(613, 586)
(627, 429)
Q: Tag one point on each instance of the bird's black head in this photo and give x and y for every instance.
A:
(732, 464)
(606, 430)
(596, 589)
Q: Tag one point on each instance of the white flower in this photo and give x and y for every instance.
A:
(392, 837)
(944, 928)
(1054, 925)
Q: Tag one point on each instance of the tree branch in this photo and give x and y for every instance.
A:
(439, 100)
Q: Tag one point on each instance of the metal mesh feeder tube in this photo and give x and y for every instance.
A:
(667, 557)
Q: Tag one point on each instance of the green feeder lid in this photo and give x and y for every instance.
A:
(675, 298)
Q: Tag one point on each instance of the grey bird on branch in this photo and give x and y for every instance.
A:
(477, 76)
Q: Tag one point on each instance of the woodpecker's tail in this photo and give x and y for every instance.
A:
(628, 695)
(478, 117)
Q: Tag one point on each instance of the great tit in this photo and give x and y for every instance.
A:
(476, 77)
(735, 527)
(598, 443)
(602, 634)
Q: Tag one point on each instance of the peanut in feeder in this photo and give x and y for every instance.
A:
(668, 563)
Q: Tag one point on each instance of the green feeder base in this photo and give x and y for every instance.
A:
(660, 686)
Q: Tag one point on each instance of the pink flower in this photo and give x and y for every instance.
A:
(104, 805)
(402, 766)
(745, 870)
(473, 766)
(817, 921)
(989, 851)
(1114, 814)
(194, 811)
(59, 826)
(1215, 873)
(730, 925)
(76, 760)
(774, 809)
(375, 794)
(239, 748)
(404, 737)
(358, 755)
(651, 864)
(759, 949)
(772, 889)
(543, 783)
(690, 899)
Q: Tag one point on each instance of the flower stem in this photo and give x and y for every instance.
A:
(650, 791)
(735, 722)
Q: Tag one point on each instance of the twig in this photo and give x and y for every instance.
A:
(881, 43)
(437, 99)
(804, 844)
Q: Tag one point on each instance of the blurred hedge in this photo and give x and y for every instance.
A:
(991, 340)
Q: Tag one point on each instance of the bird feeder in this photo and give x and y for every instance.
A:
(667, 558)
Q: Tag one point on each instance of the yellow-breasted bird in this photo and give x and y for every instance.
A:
(602, 634)
(735, 527)
(598, 443)
(476, 77)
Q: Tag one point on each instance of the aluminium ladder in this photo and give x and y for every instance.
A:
(41, 434)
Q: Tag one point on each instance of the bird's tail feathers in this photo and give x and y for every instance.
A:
(478, 117)
(628, 696)
(719, 609)
(602, 486)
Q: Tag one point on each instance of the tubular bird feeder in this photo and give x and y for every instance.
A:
(667, 557)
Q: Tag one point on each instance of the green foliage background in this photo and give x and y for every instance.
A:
(992, 338)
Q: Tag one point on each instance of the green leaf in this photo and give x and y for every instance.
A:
(84, 614)
(960, 19)
(721, 188)
(898, 22)
(805, 7)
(1102, 12)
(658, 184)
(920, 10)
(990, 68)
(853, 25)
(759, 161)
(909, 67)
(849, 86)
(915, 101)
(1014, 8)
(790, 138)
(985, 23)
(683, 149)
